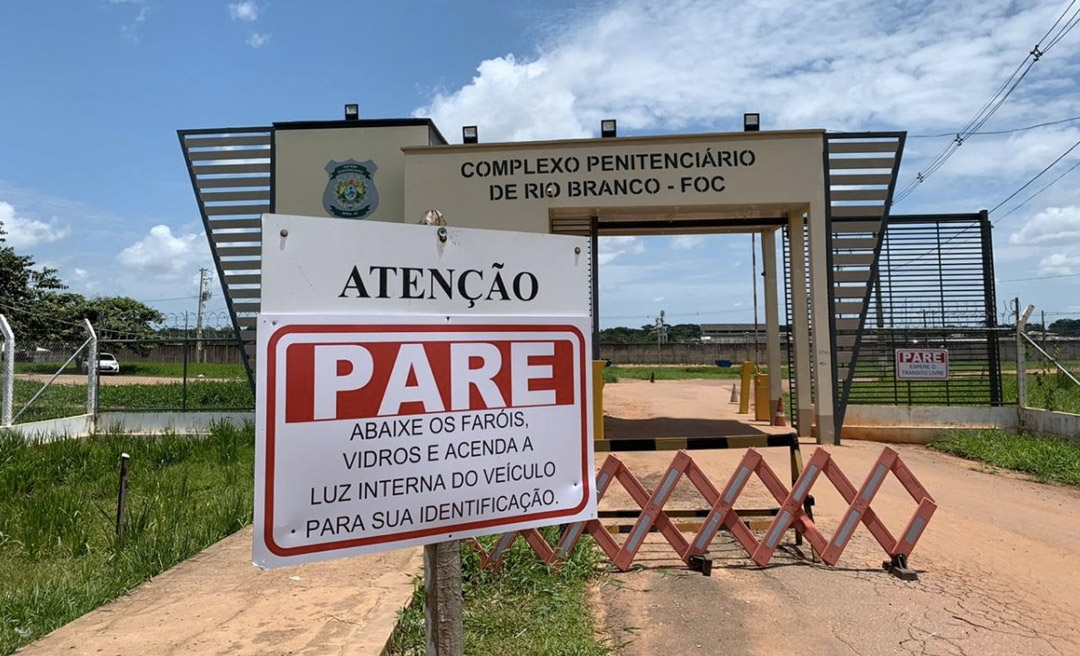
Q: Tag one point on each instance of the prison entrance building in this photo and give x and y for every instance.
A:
(857, 283)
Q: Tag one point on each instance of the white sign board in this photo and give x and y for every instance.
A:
(323, 265)
(922, 364)
(378, 430)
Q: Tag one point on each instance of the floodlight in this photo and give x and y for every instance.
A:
(751, 122)
(352, 112)
(607, 128)
(469, 134)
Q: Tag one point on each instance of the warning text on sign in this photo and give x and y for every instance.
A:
(922, 364)
(388, 434)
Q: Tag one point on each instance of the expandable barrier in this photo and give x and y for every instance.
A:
(752, 516)
(685, 520)
(793, 512)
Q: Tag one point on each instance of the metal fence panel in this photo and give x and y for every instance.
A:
(935, 290)
(162, 374)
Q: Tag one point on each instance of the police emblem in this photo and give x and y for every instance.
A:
(350, 193)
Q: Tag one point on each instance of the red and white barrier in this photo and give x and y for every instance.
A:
(722, 513)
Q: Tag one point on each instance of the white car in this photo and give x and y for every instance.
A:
(107, 364)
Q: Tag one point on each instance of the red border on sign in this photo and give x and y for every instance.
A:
(271, 402)
(900, 372)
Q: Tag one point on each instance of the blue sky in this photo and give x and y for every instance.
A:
(92, 180)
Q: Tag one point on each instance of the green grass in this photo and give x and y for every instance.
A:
(1048, 459)
(69, 400)
(1052, 391)
(56, 401)
(59, 556)
(616, 373)
(523, 609)
(176, 370)
(198, 395)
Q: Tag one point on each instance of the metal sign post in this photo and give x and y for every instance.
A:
(443, 614)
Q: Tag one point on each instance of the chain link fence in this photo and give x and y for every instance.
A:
(159, 373)
(179, 373)
(49, 381)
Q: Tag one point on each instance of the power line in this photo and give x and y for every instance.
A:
(1037, 176)
(1063, 275)
(677, 314)
(1007, 199)
(995, 102)
(39, 315)
(56, 320)
(1047, 186)
(994, 132)
(175, 298)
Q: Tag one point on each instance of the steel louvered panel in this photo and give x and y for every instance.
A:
(230, 170)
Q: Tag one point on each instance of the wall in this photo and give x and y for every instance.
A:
(302, 155)
(1054, 423)
(921, 424)
(707, 353)
(216, 353)
(691, 354)
(1063, 349)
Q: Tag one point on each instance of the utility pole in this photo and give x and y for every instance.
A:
(204, 295)
(1045, 363)
(659, 333)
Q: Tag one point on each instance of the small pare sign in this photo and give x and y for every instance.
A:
(922, 364)
(406, 430)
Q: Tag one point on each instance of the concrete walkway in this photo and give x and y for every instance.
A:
(219, 603)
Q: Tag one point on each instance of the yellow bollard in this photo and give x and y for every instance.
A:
(744, 391)
(598, 398)
(763, 410)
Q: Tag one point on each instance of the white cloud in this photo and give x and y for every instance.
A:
(80, 273)
(613, 247)
(687, 242)
(257, 40)
(247, 10)
(1054, 225)
(23, 232)
(162, 253)
(132, 31)
(1059, 264)
(856, 65)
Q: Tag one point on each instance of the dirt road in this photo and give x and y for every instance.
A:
(998, 561)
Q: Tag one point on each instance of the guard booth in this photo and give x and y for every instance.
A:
(827, 195)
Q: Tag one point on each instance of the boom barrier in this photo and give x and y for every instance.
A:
(793, 512)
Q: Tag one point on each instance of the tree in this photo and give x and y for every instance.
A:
(682, 332)
(40, 311)
(1067, 327)
(122, 317)
(22, 286)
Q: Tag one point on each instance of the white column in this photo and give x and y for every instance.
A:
(91, 369)
(7, 384)
(800, 323)
(819, 301)
(772, 318)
